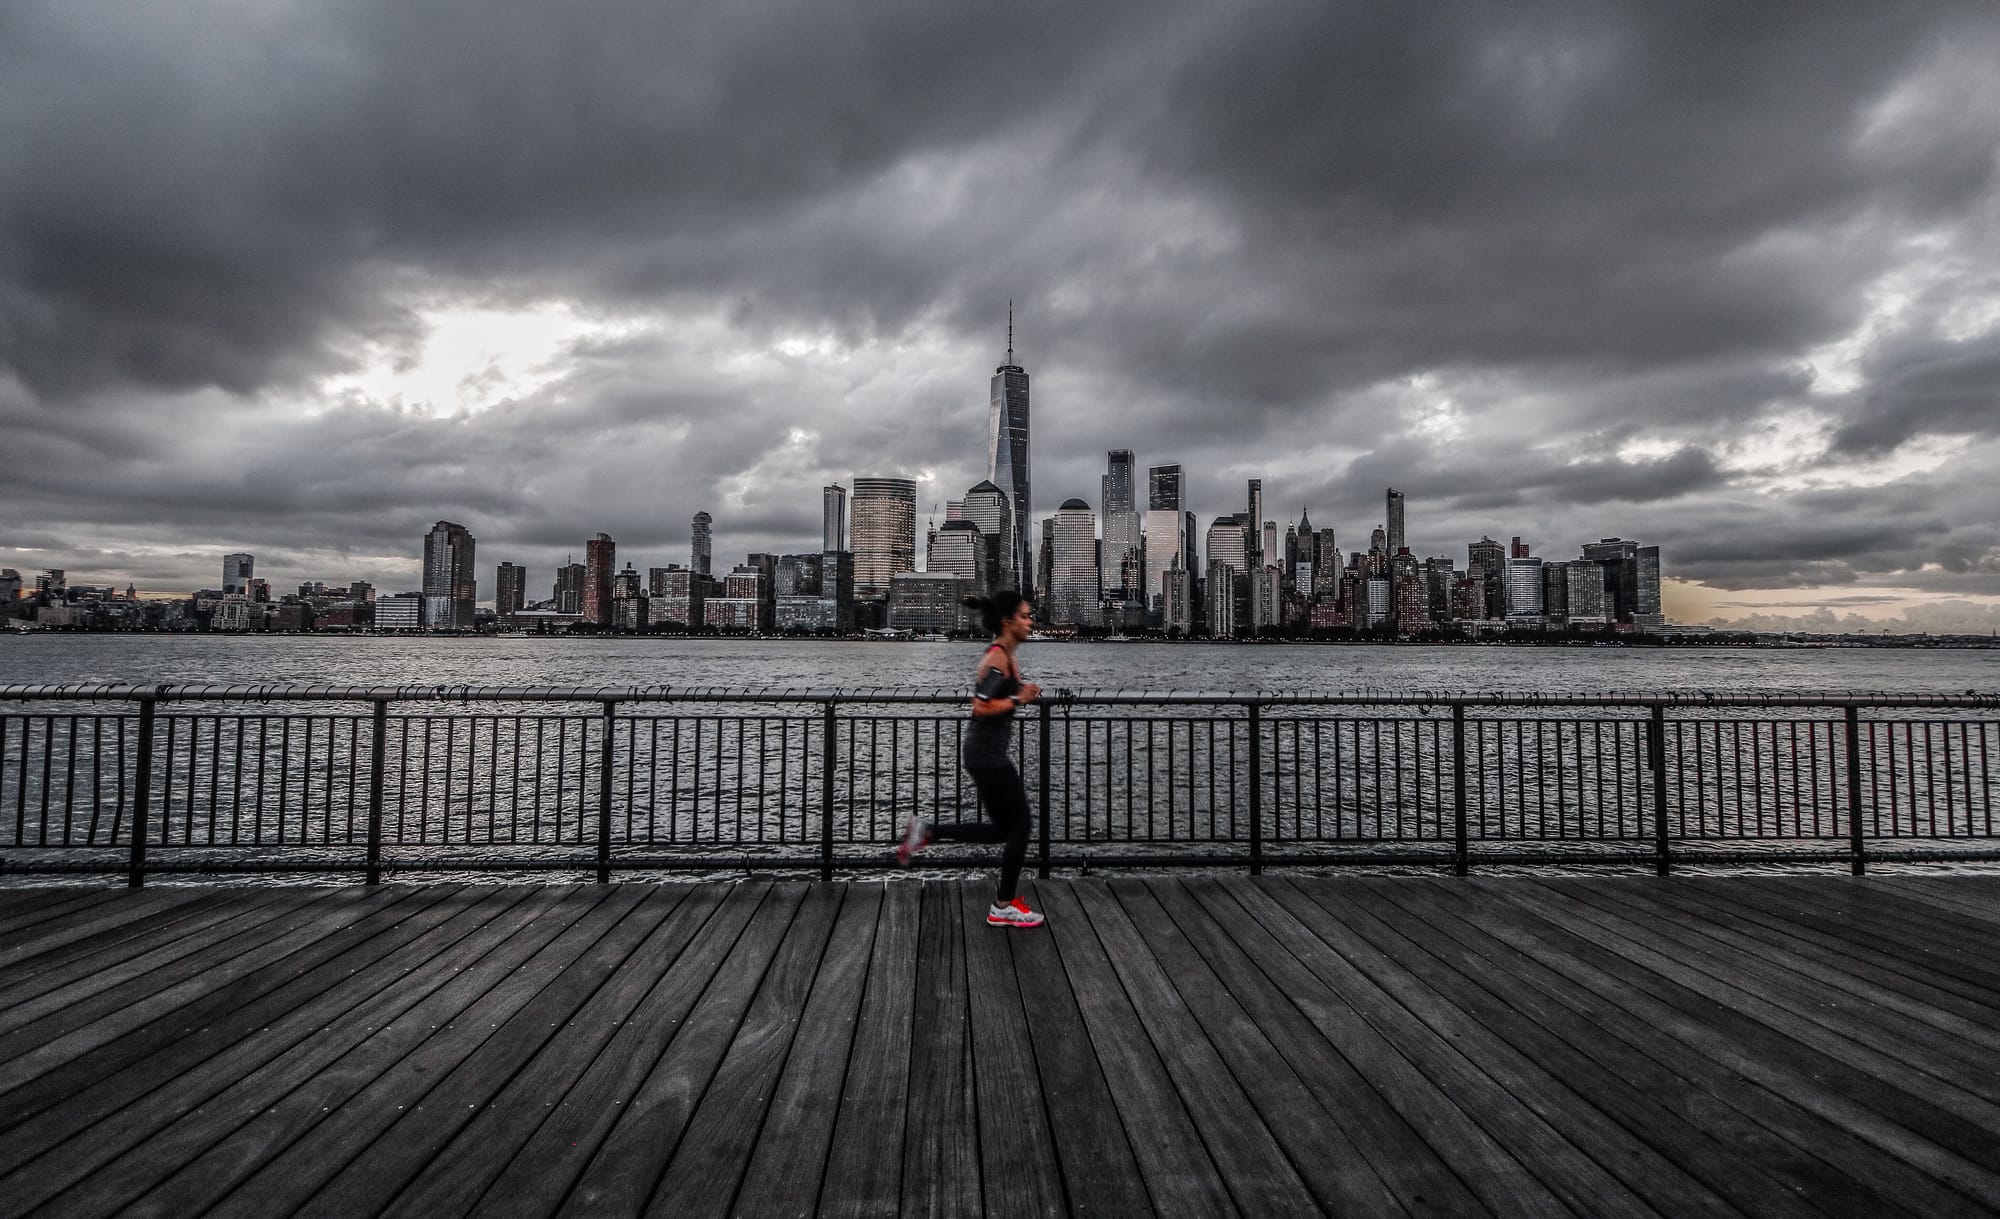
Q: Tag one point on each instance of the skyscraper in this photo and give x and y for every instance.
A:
(1007, 457)
(702, 530)
(1121, 528)
(236, 572)
(569, 588)
(510, 590)
(832, 518)
(1253, 546)
(884, 531)
(1487, 560)
(987, 506)
(450, 584)
(1397, 539)
(600, 556)
(1163, 487)
(1073, 570)
(1164, 540)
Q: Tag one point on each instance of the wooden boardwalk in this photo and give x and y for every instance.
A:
(1200, 1046)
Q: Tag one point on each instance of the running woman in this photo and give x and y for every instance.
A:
(997, 690)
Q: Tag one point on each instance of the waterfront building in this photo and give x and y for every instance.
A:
(1555, 592)
(1164, 487)
(510, 591)
(833, 518)
(931, 602)
(1396, 540)
(600, 556)
(987, 506)
(568, 592)
(1620, 560)
(798, 575)
(883, 515)
(1253, 524)
(1584, 600)
(1438, 579)
(400, 612)
(1073, 570)
(679, 595)
(10, 591)
(1122, 573)
(236, 572)
(1468, 597)
(1267, 598)
(701, 543)
(742, 605)
(1411, 595)
(836, 590)
(1380, 606)
(1007, 456)
(1646, 609)
(1177, 599)
(1220, 602)
(451, 584)
(628, 601)
(960, 549)
(1487, 559)
(1045, 568)
(1524, 590)
(1163, 542)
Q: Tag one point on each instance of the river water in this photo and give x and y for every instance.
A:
(835, 664)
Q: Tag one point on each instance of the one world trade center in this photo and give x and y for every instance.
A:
(1007, 459)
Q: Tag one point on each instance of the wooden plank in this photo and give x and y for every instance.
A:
(864, 1164)
(1100, 1175)
(1017, 1158)
(1421, 1179)
(1542, 1149)
(789, 1159)
(146, 1105)
(621, 1176)
(1851, 982)
(54, 904)
(1677, 1029)
(1307, 968)
(940, 1129)
(235, 1143)
(1945, 895)
(1659, 1094)
(68, 936)
(1337, 1173)
(453, 1182)
(1864, 918)
(707, 1164)
(1757, 995)
(1925, 1136)
(537, 1179)
(469, 1079)
(316, 1164)
(1667, 1161)
(1181, 1178)
(104, 1032)
(139, 958)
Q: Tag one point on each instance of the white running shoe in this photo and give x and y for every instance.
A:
(916, 836)
(1013, 914)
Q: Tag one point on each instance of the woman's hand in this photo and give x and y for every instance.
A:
(1029, 692)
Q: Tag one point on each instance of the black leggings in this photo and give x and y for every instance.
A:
(1005, 801)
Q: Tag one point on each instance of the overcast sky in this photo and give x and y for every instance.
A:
(301, 279)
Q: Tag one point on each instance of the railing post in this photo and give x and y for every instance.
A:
(1042, 857)
(828, 727)
(1256, 790)
(604, 748)
(380, 738)
(1859, 844)
(1656, 758)
(1461, 854)
(142, 800)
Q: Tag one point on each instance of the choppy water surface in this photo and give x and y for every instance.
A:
(823, 665)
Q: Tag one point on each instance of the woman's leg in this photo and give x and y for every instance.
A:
(1007, 800)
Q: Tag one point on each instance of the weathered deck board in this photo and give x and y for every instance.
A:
(1176, 1045)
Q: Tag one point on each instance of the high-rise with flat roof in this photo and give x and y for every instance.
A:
(510, 590)
(236, 572)
(987, 506)
(1007, 455)
(884, 532)
(451, 587)
(1397, 539)
(1122, 547)
(832, 518)
(600, 556)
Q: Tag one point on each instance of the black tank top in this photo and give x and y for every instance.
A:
(986, 737)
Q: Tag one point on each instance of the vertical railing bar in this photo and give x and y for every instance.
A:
(378, 749)
(142, 796)
(828, 734)
(1461, 844)
(1042, 821)
(1857, 843)
(606, 745)
(1657, 752)
(1255, 730)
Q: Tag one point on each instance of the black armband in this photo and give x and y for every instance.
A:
(993, 685)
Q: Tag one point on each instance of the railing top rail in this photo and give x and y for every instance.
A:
(117, 692)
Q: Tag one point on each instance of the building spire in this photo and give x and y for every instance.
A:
(1010, 332)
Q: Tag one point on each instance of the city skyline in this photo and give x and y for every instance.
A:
(1718, 278)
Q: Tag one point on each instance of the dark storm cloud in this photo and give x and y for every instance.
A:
(1556, 269)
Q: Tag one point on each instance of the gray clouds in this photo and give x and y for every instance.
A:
(1713, 275)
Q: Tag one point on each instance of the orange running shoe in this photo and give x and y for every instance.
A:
(1013, 914)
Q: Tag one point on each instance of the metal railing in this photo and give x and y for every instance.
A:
(213, 779)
